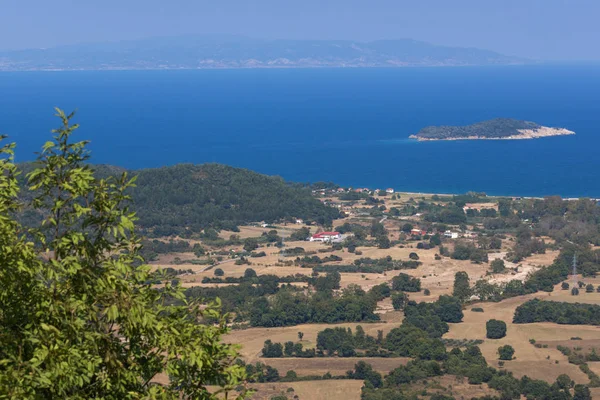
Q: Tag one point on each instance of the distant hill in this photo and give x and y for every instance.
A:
(194, 52)
(498, 128)
(186, 197)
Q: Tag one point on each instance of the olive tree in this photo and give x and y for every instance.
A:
(79, 316)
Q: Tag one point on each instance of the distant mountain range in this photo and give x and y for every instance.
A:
(201, 52)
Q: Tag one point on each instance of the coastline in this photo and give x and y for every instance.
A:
(525, 134)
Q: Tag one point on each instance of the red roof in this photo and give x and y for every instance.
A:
(321, 234)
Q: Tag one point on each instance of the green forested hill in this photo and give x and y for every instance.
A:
(170, 200)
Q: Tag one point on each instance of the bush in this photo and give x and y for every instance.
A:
(413, 256)
(564, 286)
(497, 266)
(426, 292)
(399, 300)
(495, 329)
(589, 288)
(406, 283)
(506, 352)
(477, 309)
(219, 272)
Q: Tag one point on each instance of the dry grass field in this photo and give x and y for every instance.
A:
(310, 390)
(544, 362)
(252, 339)
(539, 363)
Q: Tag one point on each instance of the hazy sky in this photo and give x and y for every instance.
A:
(545, 29)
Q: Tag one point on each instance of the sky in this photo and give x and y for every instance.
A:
(565, 30)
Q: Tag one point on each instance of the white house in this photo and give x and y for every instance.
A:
(299, 221)
(450, 234)
(389, 190)
(326, 237)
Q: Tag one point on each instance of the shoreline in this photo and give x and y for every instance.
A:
(525, 134)
(493, 196)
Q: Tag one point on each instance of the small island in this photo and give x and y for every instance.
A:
(493, 129)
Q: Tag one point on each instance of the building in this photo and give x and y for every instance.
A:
(326, 237)
(389, 190)
(418, 232)
(299, 221)
(451, 235)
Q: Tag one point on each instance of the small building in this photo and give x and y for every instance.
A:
(389, 190)
(299, 221)
(418, 232)
(451, 235)
(326, 237)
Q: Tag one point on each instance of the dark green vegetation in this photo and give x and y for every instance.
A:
(492, 129)
(559, 312)
(185, 199)
(495, 329)
(471, 364)
(506, 352)
(79, 317)
(266, 304)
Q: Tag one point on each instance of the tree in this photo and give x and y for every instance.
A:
(462, 287)
(249, 273)
(83, 320)
(495, 329)
(413, 256)
(406, 228)
(589, 288)
(300, 335)
(564, 286)
(300, 234)
(272, 350)
(399, 300)
(219, 272)
(582, 392)
(250, 244)
(497, 265)
(564, 381)
(383, 242)
(506, 352)
(406, 283)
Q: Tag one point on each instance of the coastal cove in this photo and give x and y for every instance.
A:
(349, 126)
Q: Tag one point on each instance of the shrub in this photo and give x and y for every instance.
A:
(495, 329)
(506, 352)
(219, 272)
(564, 286)
(497, 266)
(589, 288)
(413, 256)
(399, 300)
(426, 292)
(477, 309)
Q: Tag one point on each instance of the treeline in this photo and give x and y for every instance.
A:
(559, 312)
(369, 265)
(185, 198)
(287, 307)
(471, 364)
(251, 277)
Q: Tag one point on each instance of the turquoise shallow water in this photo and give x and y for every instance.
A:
(343, 125)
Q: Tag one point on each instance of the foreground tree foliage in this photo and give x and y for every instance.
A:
(78, 316)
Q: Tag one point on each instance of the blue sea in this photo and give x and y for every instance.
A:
(349, 126)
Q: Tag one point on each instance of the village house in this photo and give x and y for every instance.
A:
(451, 235)
(417, 232)
(299, 221)
(389, 190)
(326, 237)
